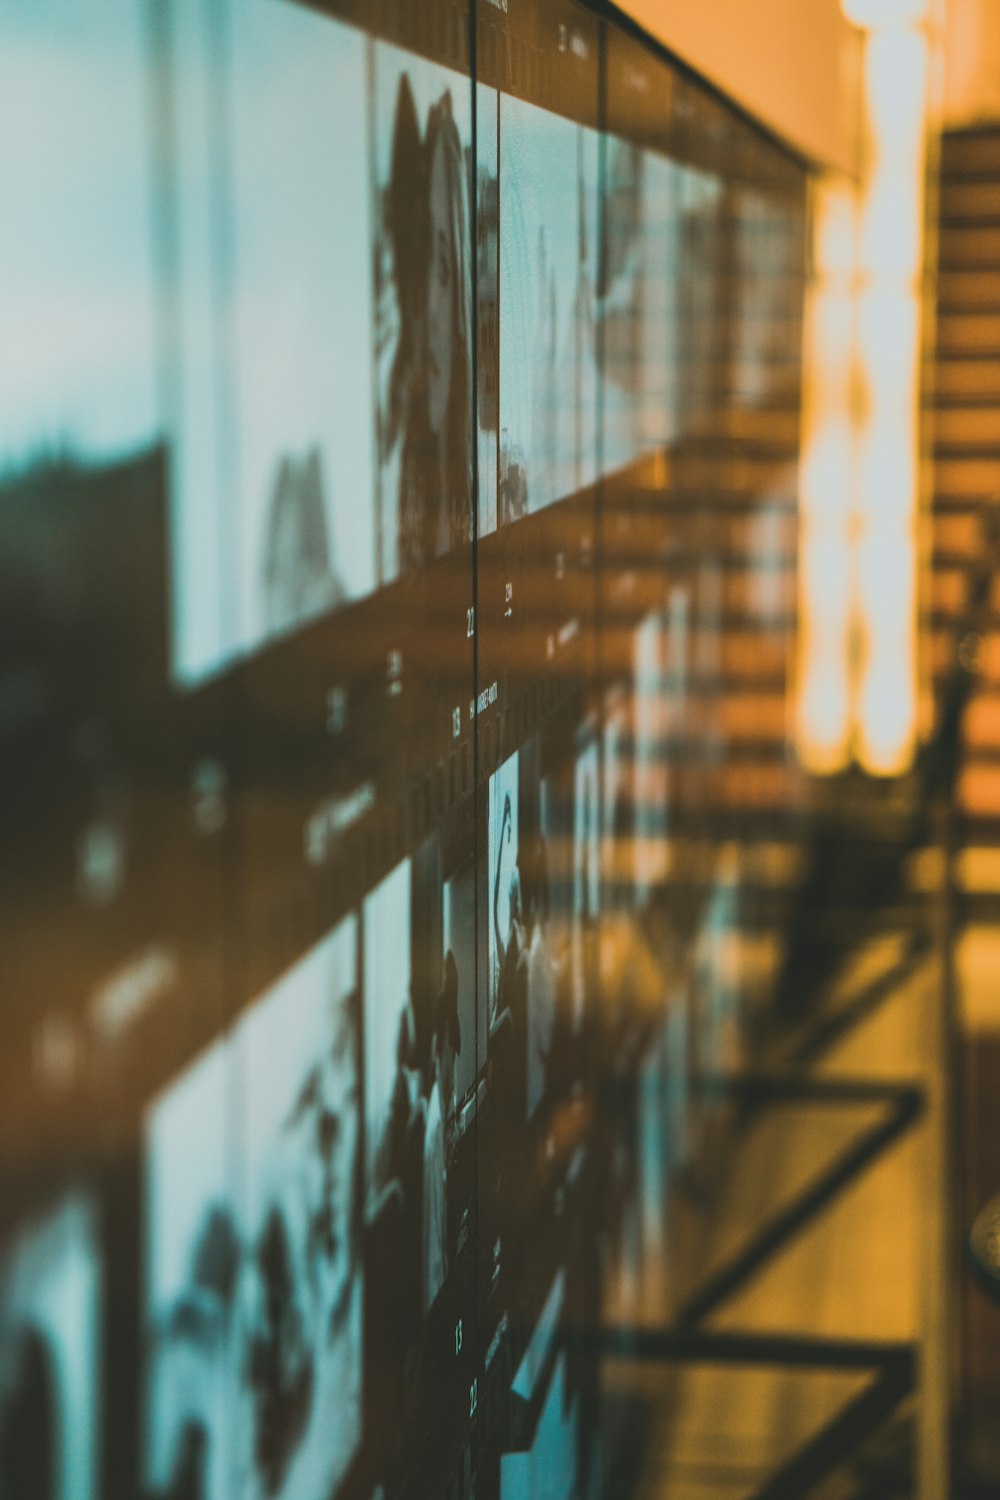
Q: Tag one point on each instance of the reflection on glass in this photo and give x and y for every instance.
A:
(506, 941)
(274, 488)
(192, 1271)
(488, 297)
(77, 283)
(423, 135)
(700, 207)
(255, 1295)
(50, 1291)
(637, 302)
(471, 1060)
(548, 368)
(547, 1471)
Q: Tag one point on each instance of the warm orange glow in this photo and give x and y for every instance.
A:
(886, 691)
(827, 483)
(824, 690)
(857, 659)
(889, 328)
(876, 13)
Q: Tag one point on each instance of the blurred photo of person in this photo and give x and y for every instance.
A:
(488, 301)
(424, 332)
(700, 205)
(446, 1043)
(395, 1064)
(395, 1076)
(420, 1022)
(507, 938)
(548, 389)
(583, 341)
(586, 878)
(298, 580)
(301, 1291)
(621, 304)
(546, 396)
(565, 903)
(543, 975)
(406, 1099)
(273, 503)
(254, 1276)
(545, 1467)
(28, 1420)
(50, 1279)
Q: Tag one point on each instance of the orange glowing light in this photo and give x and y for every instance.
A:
(857, 652)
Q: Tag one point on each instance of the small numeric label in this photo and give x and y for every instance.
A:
(336, 710)
(394, 673)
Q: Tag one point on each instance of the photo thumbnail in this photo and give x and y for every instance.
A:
(50, 1320)
(424, 176)
(274, 481)
(548, 337)
(254, 1272)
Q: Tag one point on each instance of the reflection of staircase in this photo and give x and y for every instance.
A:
(966, 429)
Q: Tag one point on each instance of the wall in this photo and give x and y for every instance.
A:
(972, 67)
(795, 64)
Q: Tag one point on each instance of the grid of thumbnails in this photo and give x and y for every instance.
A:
(397, 473)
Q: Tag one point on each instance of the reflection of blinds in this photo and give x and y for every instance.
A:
(514, 399)
(966, 436)
(699, 247)
(738, 476)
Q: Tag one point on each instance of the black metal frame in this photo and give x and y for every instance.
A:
(906, 1103)
(829, 1029)
(892, 1365)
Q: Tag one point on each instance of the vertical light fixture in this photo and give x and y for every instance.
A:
(890, 295)
(824, 650)
(857, 677)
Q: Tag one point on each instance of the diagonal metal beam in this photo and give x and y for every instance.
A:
(762, 1090)
(829, 1029)
(826, 1451)
(816, 1196)
(759, 1348)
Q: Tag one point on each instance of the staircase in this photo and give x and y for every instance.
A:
(966, 433)
(965, 423)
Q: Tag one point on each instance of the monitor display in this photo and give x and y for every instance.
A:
(395, 493)
(78, 285)
(548, 323)
(638, 289)
(274, 517)
(543, 1463)
(254, 1279)
(423, 309)
(50, 1350)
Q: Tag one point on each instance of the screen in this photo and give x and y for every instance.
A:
(397, 486)
(50, 1307)
(548, 335)
(254, 1280)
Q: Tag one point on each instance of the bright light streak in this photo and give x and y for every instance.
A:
(889, 328)
(870, 14)
(857, 648)
(827, 483)
(896, 81)
(823, 705)
(886, 691)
